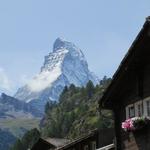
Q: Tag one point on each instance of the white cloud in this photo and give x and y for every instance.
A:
(44, 80)
(24, 79)
(5, 83)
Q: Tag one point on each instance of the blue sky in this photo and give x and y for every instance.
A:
(103, 29)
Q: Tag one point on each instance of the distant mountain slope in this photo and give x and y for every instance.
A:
(16, 118)
(11, 107)
(6, 139)
(65, 65)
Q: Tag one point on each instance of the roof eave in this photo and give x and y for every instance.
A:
(107, 93)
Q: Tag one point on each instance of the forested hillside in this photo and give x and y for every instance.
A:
(27, 140)
(76, 112)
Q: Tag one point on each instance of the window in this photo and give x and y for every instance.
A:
(93, 145)
(130, 111)
(148, 107)
(86, 147)
(139, 109)
(146, 104)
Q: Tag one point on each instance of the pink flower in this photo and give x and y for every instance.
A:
(128, 125)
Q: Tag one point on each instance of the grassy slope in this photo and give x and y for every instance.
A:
(18, 126)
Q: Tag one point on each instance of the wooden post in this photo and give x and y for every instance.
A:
(117, 128)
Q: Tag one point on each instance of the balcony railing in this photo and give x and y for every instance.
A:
(107, 147)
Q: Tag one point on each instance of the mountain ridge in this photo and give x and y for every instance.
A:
(11, 107)
(65, 65)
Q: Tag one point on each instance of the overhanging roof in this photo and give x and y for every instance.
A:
(78, 140)
(124, 65)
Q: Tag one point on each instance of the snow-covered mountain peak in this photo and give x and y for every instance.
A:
(61, 43)
(62, 67)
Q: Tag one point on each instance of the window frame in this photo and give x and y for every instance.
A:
(146, 113)
(145, 109)
(137, 110)
(128, 115)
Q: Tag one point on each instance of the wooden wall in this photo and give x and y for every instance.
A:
(139, 140)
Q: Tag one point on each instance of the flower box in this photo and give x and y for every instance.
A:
(136, 123)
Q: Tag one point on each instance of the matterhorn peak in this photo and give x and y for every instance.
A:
(64, 66)
(58, 44)
(62, 43)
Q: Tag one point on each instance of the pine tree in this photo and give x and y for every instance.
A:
(30, 138)
(90, 89)
(27, 141)
(17, 146)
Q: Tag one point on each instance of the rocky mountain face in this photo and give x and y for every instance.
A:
(13, 108)
(62, 67)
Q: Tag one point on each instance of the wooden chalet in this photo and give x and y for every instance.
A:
(49, 144)
(87, 142)
(91, 141)
(128, 95)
